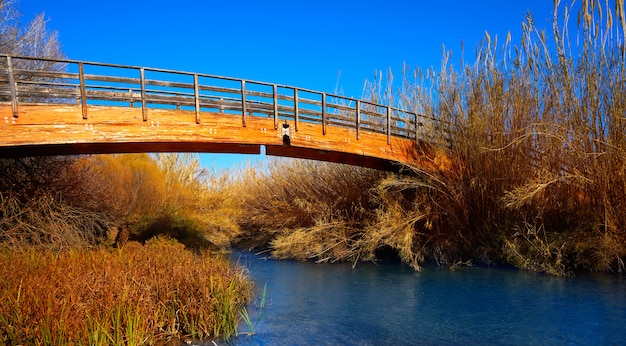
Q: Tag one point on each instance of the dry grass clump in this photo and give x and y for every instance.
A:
(61, 284)
(332, 212)
(47, 222)
(421, 217)
(35, 212)
(137, 294)
(307, 209)
(167, 194)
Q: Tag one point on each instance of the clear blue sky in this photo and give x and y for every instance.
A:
(323, 45)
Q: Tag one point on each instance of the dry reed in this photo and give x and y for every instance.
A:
(535, 139)
(306, 209)
(538, 133)
(137, 294)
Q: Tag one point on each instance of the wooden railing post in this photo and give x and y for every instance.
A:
(275, 94)
(416, 129)
(296, 110)
(196, 95)
(244, 108)
(324, 113)
(12, 87)
(358, 118)
(144, 107)
(389, 125)
(83, 93)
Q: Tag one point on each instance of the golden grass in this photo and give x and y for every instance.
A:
(46, 222)
(168, 194)
(137, 294)
(306, 209)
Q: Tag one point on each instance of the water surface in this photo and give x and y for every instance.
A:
(390, 304)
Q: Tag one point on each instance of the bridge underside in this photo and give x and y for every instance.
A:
(53, 129)
(143, 147)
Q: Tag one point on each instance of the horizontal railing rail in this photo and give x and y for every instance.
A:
(91, 83)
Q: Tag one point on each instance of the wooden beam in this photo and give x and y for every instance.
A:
(144, 107)
(324, 113)
(28, 150)
(12, 87)
(358, 119)
(196, 94)
(332, 156)
(275, 104)
(83, 94)
(296, 109)
(244, 104)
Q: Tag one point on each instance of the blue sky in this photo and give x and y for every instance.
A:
(324, 45)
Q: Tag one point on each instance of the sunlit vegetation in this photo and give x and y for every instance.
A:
(125, 249)
(68, 272)
(536, 137)
(307, 209)
(538, 131)
(129, 296)
(68, 276)
(85, 198)
(168, 194)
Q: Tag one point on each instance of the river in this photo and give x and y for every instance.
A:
(390, 304)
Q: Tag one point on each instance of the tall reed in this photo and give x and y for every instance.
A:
(534, 135)
(538, 134)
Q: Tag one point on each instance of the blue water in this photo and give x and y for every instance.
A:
(390, 304)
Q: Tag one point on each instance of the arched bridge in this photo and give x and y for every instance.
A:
(51, 107)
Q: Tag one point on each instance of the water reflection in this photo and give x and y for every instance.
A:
(390, 304)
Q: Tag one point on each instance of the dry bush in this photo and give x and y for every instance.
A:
(220, 204)
(135, 295)
(35, 212)
(420, 217)
(166, 194)
(31, 176)
(307, 209)
(48, 222)
(147, 194)
(126, 186)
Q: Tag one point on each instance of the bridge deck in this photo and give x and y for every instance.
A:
(46, 129)
(71, 107)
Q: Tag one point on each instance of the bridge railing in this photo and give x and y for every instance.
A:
(37, 80)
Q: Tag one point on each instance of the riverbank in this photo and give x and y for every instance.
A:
(131, 295)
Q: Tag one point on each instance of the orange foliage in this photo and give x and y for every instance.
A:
(124, 186)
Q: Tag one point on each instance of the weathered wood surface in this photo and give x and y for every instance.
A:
(72, 107)
(43, 129)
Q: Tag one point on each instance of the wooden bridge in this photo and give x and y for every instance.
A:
(62, 107)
